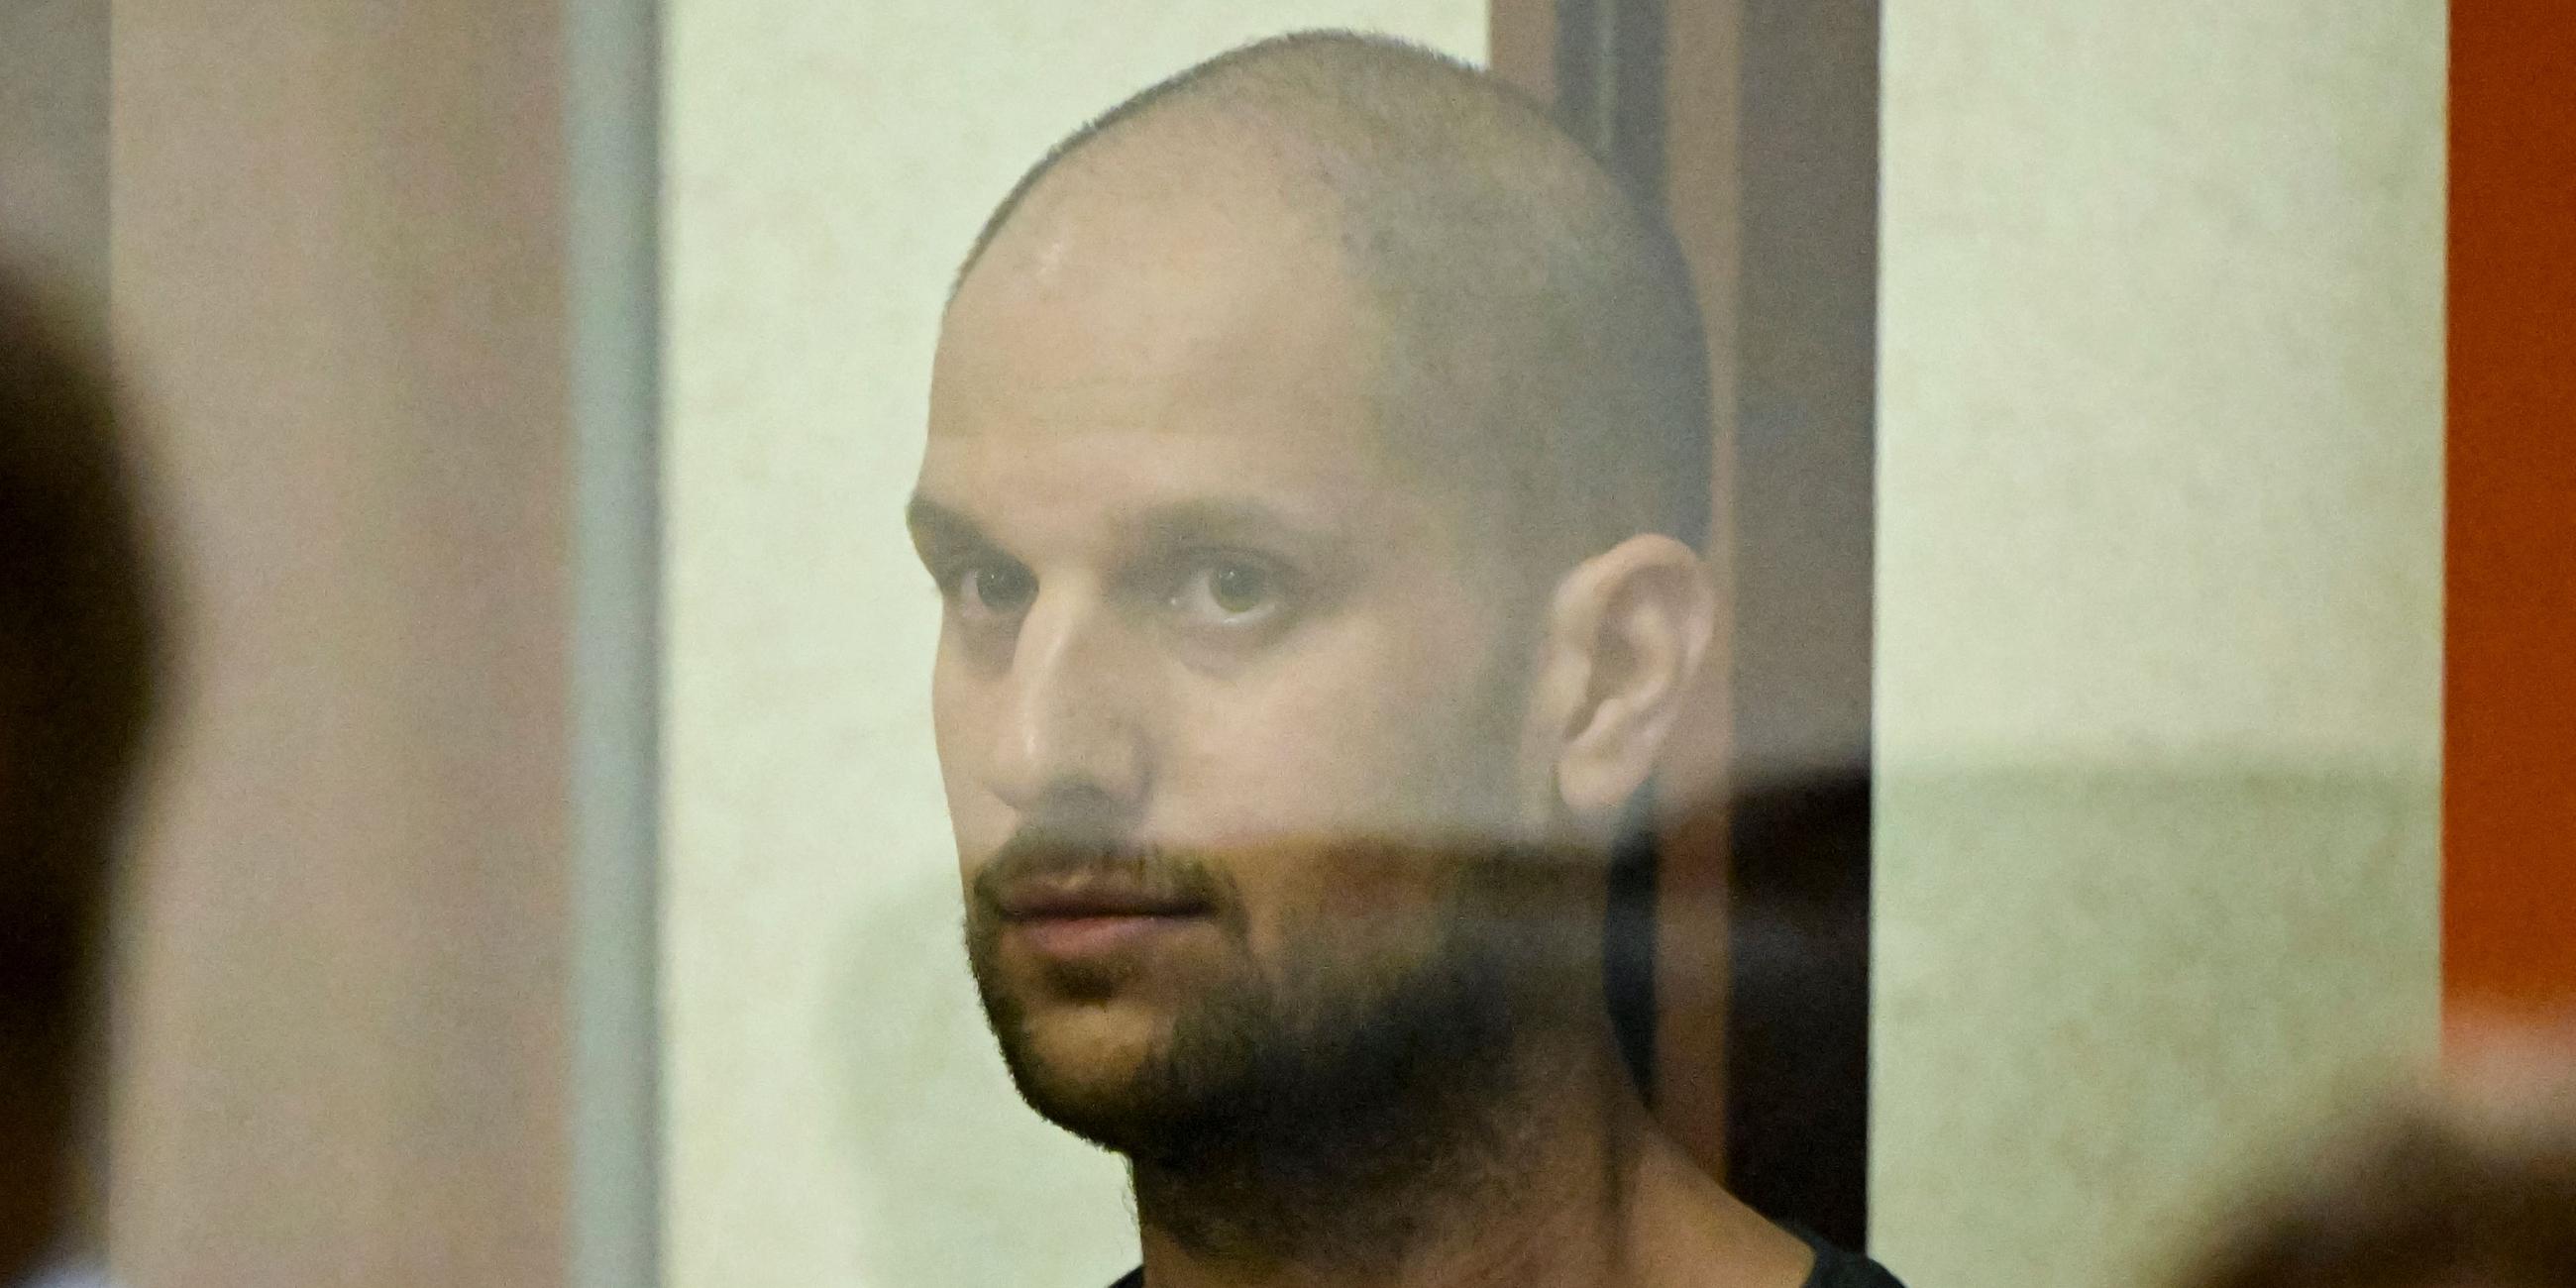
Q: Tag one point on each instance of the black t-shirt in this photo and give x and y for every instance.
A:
(1835, 1268)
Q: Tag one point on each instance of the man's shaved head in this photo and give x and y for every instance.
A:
(1536, 346)
(1315, 447)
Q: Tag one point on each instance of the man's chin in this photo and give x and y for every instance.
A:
(1092, 1084)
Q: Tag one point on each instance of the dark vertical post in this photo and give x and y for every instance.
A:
(1804, 523)
(1755, 124)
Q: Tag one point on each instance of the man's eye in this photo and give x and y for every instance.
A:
(1228, 592)
(994, 590)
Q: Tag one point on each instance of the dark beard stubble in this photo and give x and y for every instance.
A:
(1328, 1107)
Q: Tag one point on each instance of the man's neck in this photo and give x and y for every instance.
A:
(1566, 1181)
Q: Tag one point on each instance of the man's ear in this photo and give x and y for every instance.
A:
(1626, 632)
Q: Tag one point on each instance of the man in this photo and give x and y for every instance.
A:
(77, 666)
(1317, 452)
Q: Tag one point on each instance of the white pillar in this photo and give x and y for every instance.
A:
(2159, 611)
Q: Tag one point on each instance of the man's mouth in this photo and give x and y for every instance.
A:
(1087, 918)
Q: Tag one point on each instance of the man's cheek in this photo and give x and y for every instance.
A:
(978, 824)
(1343, 901)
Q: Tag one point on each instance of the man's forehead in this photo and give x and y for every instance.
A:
(1177, 184)
(1042, 520)
(1134, 262)
(1166, 328)
(1197, 311)
(1129, 483)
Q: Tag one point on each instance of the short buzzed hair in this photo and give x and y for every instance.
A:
(1543, 344)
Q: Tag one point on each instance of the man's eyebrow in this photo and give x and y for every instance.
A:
(936, 528)
(1222, 520)
(941, 533)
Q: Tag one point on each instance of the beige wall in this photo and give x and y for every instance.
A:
(2158, 605)
(834, 1110)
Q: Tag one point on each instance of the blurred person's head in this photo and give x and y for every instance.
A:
(77, 671)
(1318, 447)
(2472, 1190)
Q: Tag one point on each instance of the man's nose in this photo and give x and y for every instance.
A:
(1070, 723)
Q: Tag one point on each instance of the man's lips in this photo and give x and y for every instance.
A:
(1089, 919)
(1084, 901)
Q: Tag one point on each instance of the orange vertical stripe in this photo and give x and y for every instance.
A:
(2509, 684)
